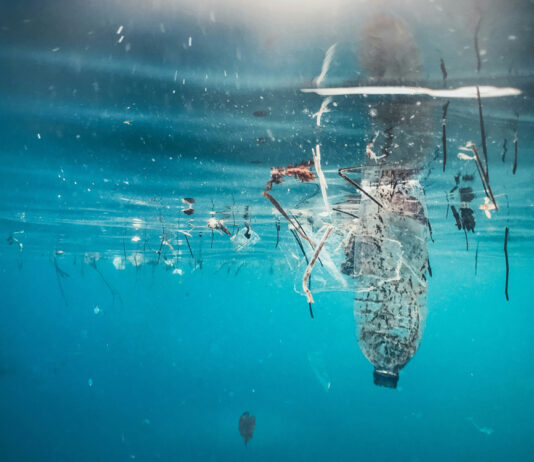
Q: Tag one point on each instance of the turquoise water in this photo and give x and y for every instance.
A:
(131, 330)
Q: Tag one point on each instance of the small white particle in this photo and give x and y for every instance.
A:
(119, 30)
(38, 136)
(121, 38)
(190, 42)
(96, 310)
(90, 382)
(512, 37)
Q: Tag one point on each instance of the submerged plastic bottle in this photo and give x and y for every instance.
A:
(390, 259)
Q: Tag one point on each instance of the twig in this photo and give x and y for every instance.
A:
(444, 134)
(476, 259)
(477, 51)
(312, 263)
(301, 172)
(504, 149)
(59, 275)
(346, 213)
(443, 70)
(356, 185)
(515, 152)
(277, 224)
(507, 265)
(286, 216)
(483, 177)
(322, 181)
(430, 229)
(302, 229)
(483, 133)
(113, 292)
(189, 246)
(299, 242)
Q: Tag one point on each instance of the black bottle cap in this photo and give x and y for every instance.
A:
(385, 378)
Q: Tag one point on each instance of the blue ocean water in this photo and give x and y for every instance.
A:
(132, 330)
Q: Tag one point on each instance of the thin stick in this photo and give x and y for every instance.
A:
(189, 246)
(286, 216)
(343, 211)
(302, 229)
(443, 71)
(312, 263)
(476, 259)
(299, 242)
(356, 185)
(504, 149)
(507, 265)
(60, 274)
(483, 133)
(477, 51)
(277, 224)
(322, 181)
(113, 292)
(515, 152)
(484, 177)
(444, 135)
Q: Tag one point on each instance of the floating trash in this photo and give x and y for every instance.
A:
(247, 423)
(245, 237)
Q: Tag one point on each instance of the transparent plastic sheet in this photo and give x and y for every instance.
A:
(326, 275)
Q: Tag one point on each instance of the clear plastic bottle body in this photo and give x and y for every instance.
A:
(390, 259)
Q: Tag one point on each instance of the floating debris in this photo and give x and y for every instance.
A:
(483, 176)
(301, 172)
(245, 237)
(504, 149)
(260, 113)
(443, 70)
(444, 130)
(322, 181)
(119, 262)
(341, 173)
(486, 430)
(13, 240)
(189, 210)
(312, 263)
(247, 423)
(60, 274)
(322, 110)
(218, 225)
(515, 152)
(369, 150)
(487, 207)
(507, 264)
(476, 258)
(483, 133)
(477, 51)
(329, 55)
(277, 224)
